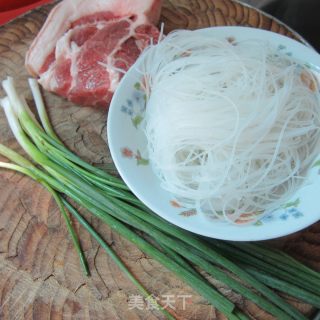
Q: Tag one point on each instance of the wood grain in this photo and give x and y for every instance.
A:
(40, 276)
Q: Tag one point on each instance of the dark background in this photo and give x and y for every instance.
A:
(301, 15)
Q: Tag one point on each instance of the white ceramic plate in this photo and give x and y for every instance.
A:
(128, 149)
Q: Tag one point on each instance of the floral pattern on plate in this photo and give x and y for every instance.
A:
(128, 153)
(135, 106)
(126, 138)
(288, 211)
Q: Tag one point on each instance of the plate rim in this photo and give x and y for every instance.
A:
(281, 232)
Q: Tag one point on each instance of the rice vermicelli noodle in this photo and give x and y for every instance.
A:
(232, 127)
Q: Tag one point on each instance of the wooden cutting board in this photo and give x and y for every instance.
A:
(40, 276)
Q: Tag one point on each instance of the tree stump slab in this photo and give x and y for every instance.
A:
(40, 276)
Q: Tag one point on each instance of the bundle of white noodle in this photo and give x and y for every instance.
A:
(232, 127)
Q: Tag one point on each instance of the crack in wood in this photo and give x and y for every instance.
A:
(99, 274)
(79, 287)
(13, 233)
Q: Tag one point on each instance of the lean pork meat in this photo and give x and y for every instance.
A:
(85, 46)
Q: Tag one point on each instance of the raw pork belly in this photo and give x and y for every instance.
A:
(85, 46)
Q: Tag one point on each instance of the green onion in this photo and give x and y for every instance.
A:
(61, 203)
(41, 109)
(185, 254)
(283, 262)
(115, 258)
(285, 287)
(272, 269)
(54, 194)
(202, 287)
